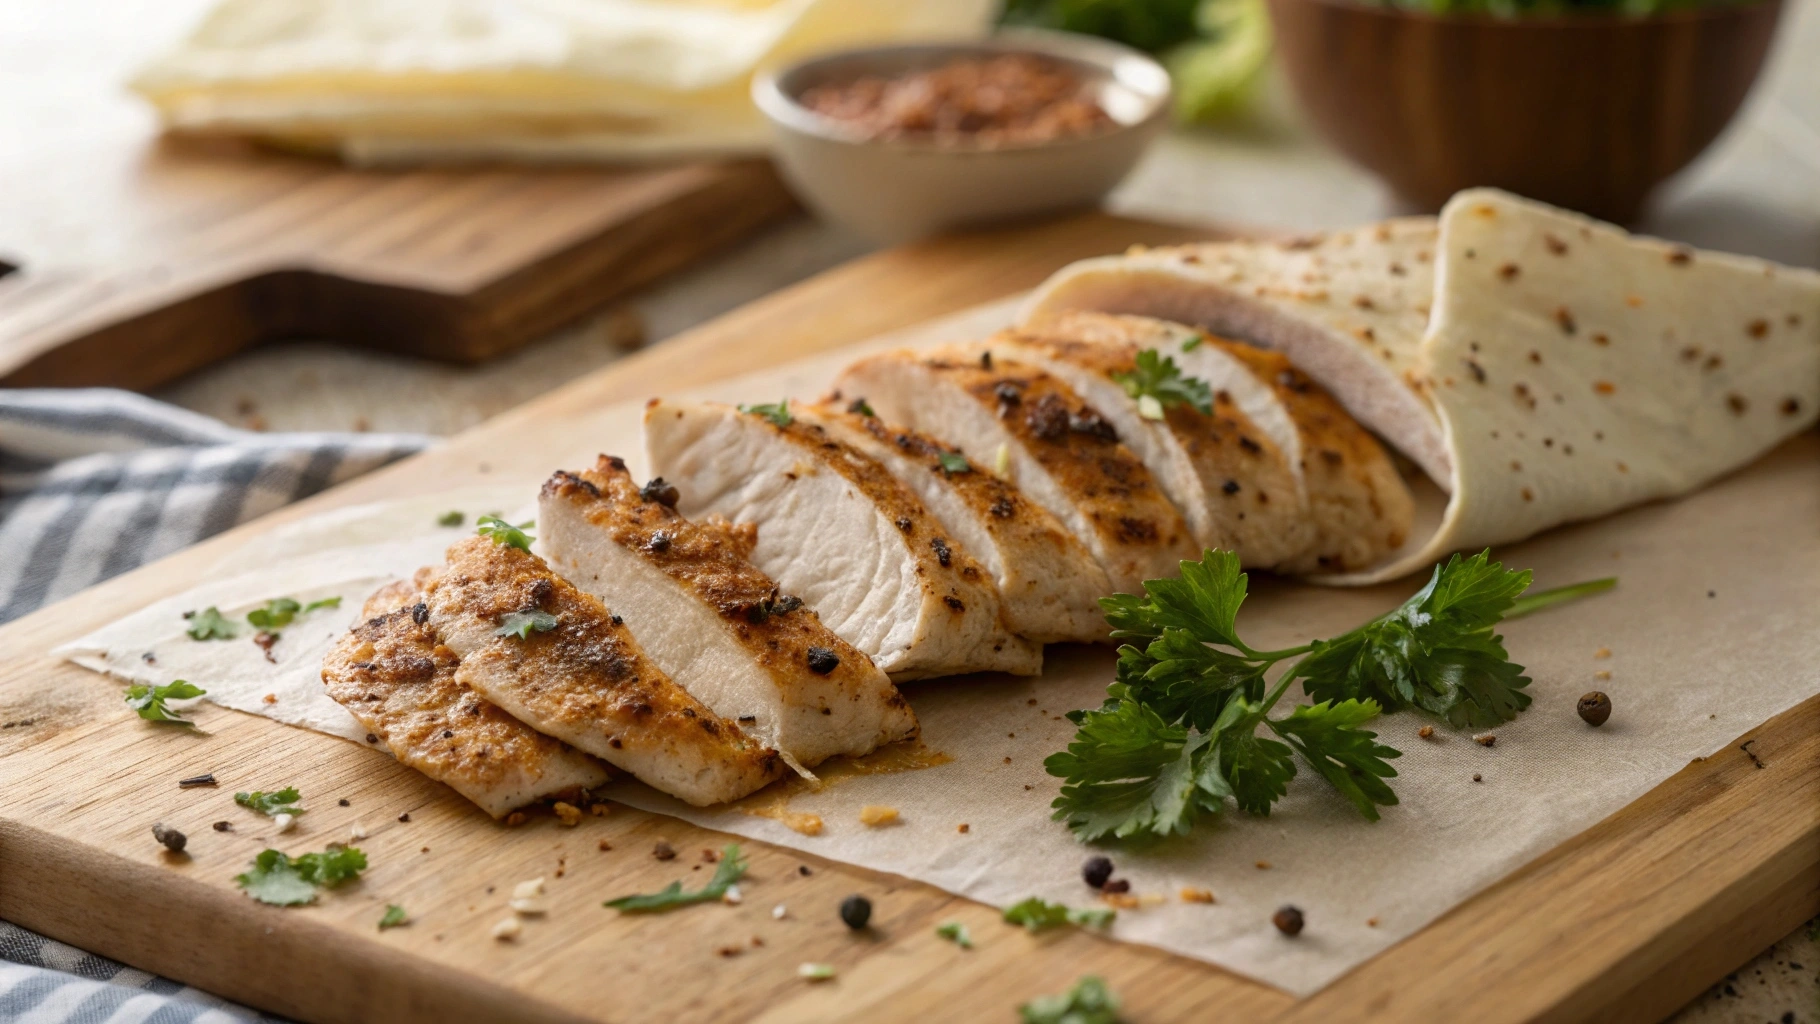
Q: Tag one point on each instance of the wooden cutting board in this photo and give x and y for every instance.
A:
(1623, 923)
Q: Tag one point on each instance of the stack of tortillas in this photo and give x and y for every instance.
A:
(389, 81)
(1539, 366)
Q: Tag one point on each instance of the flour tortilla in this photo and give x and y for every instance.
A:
(518, 76)
(1348, 308)
(1578, 369)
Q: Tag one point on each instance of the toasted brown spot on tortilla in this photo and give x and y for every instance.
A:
(1680, 257)
(1555, 245)
(1565, 319)
(1604, 387)
(1791, 406)
(1633, 301)
(1528, 495)
(1478, 372)
(1736, 403)
(1601, 338)
(1758, 328)
(1509, 271)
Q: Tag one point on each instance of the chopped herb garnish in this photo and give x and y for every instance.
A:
(394, 917)
(955, 932)
(523, 624)
(778, 413)
(1157, 378)
(505, 533)
(450, 518)
(732, 868)
(210, 624)
(327, 602)
(815, 972)
(1088, 1002)
(1178, 734)
(954, 462)
(862, 407)
(1037, 915)
(277, 613)
(279, 880)
(1193, 343)
(148, 701)
(271, 804)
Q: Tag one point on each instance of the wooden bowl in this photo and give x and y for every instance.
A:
(1589, 112)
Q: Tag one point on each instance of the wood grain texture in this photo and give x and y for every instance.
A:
(1625, 922)
(215, 247)
(1586, 111)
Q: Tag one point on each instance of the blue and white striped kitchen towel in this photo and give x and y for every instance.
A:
(94, 482)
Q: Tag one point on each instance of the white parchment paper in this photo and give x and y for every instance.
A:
(1710, 632)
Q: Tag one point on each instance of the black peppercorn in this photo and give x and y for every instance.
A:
(1288, 920)
(1096, 871)
(658, 490)
(1594, 708)
(823, 661)
(856, 911)
(172, 839)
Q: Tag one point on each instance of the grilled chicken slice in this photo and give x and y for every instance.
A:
(713, 622)
(1346, 505)
(839, 531)
(1235, 488)
(1031, 429)
(394, 676)
(582, 678)
(1047, 579)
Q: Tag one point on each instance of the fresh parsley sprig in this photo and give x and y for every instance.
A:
(523, 624)
(282, 611)
(777, 412)
(1088, 1002)
(210, 624)
(505, 533)
(279, 880)
(1157, 383)
(148, 701)
(272, 804)
(732, 868)
(1036, 915)
(1179, 733)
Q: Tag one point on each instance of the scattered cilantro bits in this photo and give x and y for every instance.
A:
(149, 701)
(281, 881)
(1157, 384)
(1178, 736)
(954, 462)
(394, 917)
(282, 611)
(777, 412)
(815, 972)
(450, 518)
(523, 624)
(280, 801)
(210, 624)
(955, 932)
(505, 533)
(1088, 1002)
(1036, 915)
(861, 407)
(731, 869)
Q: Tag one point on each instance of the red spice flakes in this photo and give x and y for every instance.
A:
(264, 641)
(1604, 387)
(270, 698)
(1736, 403)
(963, 828)
(1012, 99)
(1509, 271)
(1757, 328)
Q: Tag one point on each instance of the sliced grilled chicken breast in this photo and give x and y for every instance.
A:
(582, 678)
(837, 530)
(1047, 579)
(1033, 430)
(713, 622)
(394, 676)
(1349, 506)
(1235, 489)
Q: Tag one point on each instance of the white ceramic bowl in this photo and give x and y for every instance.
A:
(894, 190)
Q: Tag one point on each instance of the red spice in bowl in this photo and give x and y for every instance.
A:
(1011, 99)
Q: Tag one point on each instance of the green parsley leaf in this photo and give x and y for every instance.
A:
(210, 624)
(1157, 378)
(1204, 600)
(505, 533)
(148, 701)
(523, 624)
(815, 972)
(281, 881)
(1193, 343)
(1088, 1002)
(271, 804)
(732, 868)
(1128, 772)
(1436, 652)
(327, 602)
(860, 406)
(277, 613)
(450, 518)
(394, 917)
(955, 932)
(1329, 738)
(953, 462)
(1036, 915)
(778, 412)
(1257, 769)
